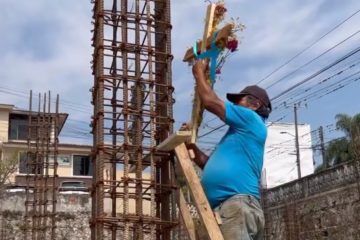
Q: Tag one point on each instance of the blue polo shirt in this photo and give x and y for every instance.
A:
(235, 165)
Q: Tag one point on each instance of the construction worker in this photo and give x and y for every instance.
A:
(231, 175)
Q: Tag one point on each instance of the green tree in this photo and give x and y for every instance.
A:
(8, 166)
(346, 148)
(338, 151)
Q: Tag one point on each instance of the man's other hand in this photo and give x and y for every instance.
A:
(185, 127)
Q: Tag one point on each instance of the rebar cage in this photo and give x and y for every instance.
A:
(41, 169)
(133, 193)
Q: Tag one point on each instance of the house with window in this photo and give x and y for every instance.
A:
(281, 162)
(74, 162)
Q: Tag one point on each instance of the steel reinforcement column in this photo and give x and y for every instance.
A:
(133, 186)
(41, 170)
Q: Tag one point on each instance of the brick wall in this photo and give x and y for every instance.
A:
(320, 206)
(72, 218)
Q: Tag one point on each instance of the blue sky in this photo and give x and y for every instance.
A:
(46, 45)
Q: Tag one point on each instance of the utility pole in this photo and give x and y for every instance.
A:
(297, 143)
(322, 146)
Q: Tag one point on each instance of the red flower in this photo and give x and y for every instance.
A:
(220, 10)
(232, 45)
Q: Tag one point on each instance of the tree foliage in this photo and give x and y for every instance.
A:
(8, 166)
(346, 148)
(338, 151)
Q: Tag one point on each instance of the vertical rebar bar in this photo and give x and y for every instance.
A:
(42, 146)
(163, 70)
(45, 166)
(55, 143)
(98, 121)
(124, 59)
(43, 180)
(36, 189)
(132, 114)
(152, 126)
(28, 167)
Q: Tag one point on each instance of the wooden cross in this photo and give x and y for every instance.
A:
(211, 21)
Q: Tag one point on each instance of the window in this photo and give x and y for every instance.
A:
(63, 160)
(18, 129)
(82, 166)
(24, 167)
(73, 186)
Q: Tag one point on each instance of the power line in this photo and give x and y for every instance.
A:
(338, 85)
(320, 82)
(308, 47)
(311, 61)
(69, 104)
(297, 98)
(301, 136)
(211, 131)
(317, 73)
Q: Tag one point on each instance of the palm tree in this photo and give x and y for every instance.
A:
(338, 151)
(355, 130)
(346, 148)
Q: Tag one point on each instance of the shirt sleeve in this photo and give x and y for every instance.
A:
(238, 116)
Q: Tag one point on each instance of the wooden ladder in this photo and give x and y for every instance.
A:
(176, 143)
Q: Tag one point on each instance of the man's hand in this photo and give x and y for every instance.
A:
(200, 158)
(185, 127)
(200, 67)
(209, 99)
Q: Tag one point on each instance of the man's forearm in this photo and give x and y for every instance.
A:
(208, 97)
(204, 90)
(201, 160)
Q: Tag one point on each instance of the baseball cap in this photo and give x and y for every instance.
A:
(257, 92)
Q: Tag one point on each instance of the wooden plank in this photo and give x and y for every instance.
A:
(174, 140)
(186, 216)
(197, 108)
(208, 28)
(168, 145)
(205, 212)
(222, 36)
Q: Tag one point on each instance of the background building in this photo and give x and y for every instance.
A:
(280, 161)
(74, 160)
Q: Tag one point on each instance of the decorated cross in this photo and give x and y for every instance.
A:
(213, 46)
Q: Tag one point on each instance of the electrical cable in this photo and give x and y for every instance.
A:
(346, 56)
(308, 47)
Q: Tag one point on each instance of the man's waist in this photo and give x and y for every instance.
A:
(218, 197)
(241, 197)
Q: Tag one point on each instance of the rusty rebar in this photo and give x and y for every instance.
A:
(40, 204)
(132, 98)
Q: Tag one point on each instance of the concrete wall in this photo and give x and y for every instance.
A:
(4, 125)
(72, 220)
(320, 206)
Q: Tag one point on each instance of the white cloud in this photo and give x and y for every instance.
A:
(276, 31)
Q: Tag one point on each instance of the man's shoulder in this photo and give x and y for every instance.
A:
(247, 115)
(247, 112)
